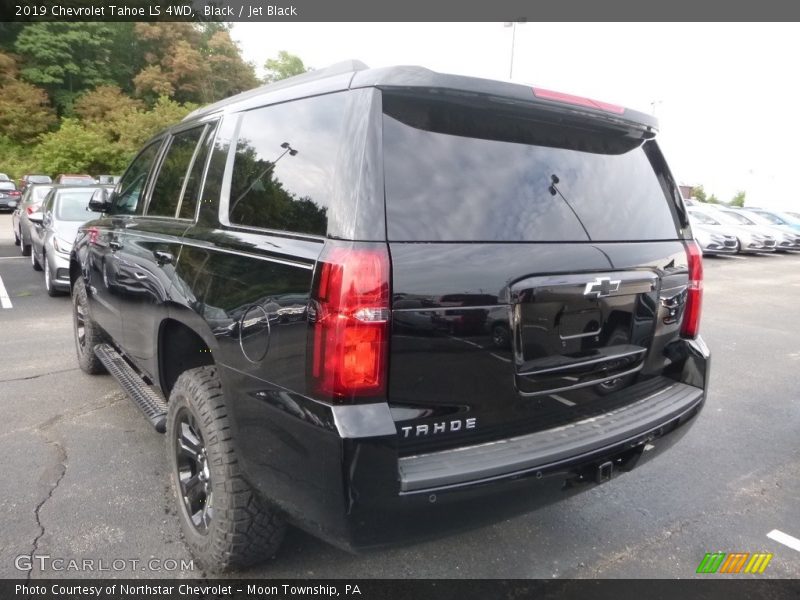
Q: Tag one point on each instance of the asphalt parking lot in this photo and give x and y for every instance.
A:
(84, 475)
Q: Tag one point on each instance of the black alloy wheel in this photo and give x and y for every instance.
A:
(87, 333)
(194, 475)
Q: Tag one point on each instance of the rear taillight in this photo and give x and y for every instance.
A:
(14, 193)
(350, 322)
(690, 326)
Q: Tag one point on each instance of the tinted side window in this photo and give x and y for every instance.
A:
(190, 194)
(131, 186)
(456, 172)
(283, 169)
(171, 179)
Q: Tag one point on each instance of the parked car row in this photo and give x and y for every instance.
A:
(726, 230)
(11, 192)
(45, 224)
(9, 195)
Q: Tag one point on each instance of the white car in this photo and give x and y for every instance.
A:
(784, 239)
(712, 237)
(750, 237)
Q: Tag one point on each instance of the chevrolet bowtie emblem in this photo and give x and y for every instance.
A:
(600, 287)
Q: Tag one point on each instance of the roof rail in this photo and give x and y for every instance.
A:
(347, 66)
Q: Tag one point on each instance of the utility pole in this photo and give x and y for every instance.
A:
(513, 25)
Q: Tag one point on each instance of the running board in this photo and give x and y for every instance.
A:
(145, 397)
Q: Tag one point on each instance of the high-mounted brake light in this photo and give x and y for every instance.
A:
(577, 101)
(690, 326)
(350, 322)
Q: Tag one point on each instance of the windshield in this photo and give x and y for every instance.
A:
(702, 218)
(737, 218)
(760, 219)
(772, 218)
(71, 206)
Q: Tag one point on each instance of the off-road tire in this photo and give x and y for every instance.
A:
(92, 334)
(243, 529)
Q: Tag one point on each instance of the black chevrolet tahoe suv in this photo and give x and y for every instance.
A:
(381, 304)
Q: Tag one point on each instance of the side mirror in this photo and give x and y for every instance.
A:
(101, 200)
(36, 217)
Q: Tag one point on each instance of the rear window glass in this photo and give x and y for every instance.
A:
(71, 206)
(76, 180)
(7, 185)
(457, 172)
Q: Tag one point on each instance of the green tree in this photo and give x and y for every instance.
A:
(105, 146)
(8, 68)
(8, 34)
(738, 199)
(134, 129)
(105, 103)
(25, 112)
(712, 199)
(75, 148)
(191, 63)
(699, 193)
(286, 65)
(66, 58)
(229, 74)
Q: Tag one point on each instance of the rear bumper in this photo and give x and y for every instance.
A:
(664, 403)
(336, 471)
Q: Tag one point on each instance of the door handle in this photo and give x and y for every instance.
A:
(114, 245)
(163, 258)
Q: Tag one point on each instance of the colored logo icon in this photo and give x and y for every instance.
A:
(735, 562)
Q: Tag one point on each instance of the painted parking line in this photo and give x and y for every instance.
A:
(562, 400)
(785, 539)
(5, 301)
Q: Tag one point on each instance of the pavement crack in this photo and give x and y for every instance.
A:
(58, 471)
(109, 400)
(39, 375)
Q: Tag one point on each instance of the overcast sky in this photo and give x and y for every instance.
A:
(726, 95)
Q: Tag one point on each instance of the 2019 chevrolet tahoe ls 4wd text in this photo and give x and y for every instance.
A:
(372, 303)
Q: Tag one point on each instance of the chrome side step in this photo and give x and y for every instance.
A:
(144, 396)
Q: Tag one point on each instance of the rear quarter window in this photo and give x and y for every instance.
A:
(283, 169)
(457, 172)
